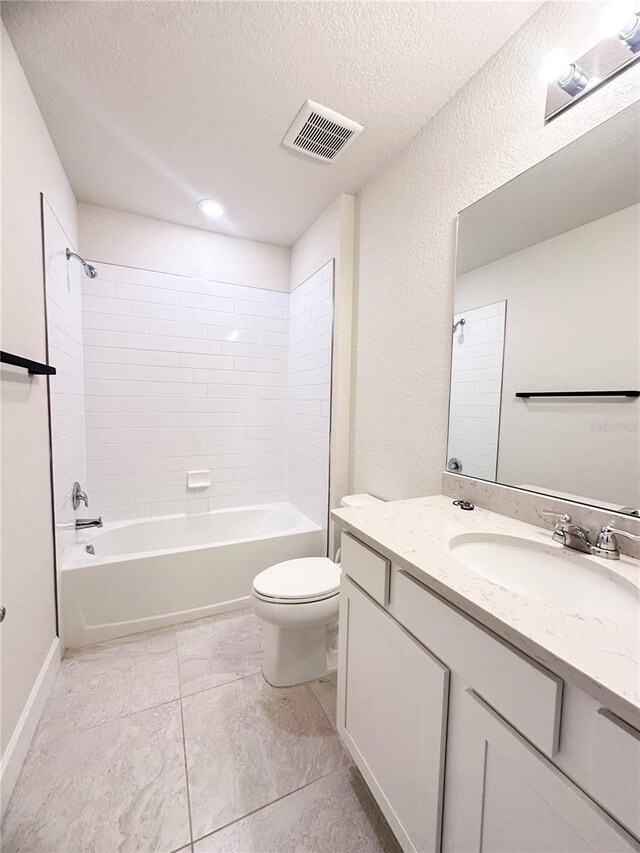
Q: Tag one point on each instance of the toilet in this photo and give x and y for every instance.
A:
(298, 599)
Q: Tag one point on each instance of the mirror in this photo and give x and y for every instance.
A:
(546, 304)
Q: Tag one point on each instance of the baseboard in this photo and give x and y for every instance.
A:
(20, 741)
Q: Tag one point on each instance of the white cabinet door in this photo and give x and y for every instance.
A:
(392, 705)
(516, 800)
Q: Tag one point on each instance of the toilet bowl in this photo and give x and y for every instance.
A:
(299, 601)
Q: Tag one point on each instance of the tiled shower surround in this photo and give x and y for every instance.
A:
(310, 326)
(185, 374)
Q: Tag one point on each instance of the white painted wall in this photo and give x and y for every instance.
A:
(183, 374)
(310, 332)
(489, 132)
(30, 166)
(64, 323)
(573, 323)
(114, 237)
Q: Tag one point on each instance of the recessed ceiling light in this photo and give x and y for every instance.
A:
(210, 207)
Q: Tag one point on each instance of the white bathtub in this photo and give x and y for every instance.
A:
(150, 573)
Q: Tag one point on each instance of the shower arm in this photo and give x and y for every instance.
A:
(89, 270)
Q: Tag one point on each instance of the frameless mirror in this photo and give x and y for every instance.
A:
(546, 345)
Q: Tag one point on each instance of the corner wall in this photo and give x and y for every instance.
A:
(489, 132)
(30, 166)
(114, 237)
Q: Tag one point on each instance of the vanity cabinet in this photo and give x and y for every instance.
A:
(392, 716)
(416, 674)
(516, 799)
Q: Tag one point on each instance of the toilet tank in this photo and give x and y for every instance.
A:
(359, 500)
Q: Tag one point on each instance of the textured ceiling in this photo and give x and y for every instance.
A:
(154, 105)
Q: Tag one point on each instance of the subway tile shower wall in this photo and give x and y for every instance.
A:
(184, 374)
(310, 334)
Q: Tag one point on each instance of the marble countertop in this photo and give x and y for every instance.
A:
(597, 654)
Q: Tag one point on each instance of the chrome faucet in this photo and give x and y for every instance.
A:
(606, 544)
(567, 534)
(86, 523)
(576, 537)
(78, 496)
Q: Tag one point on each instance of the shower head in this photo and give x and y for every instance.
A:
(89, 270)
(460, 322)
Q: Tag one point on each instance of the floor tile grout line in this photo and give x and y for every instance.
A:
(222, 684)
(267, 805)
(186, 774)
(90, 728)
(324, 711)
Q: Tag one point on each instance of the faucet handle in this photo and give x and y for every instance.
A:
(78, 496)
(606, 543)
(607, 530)
(563, 517)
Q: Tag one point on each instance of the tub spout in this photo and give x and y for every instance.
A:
(85, 523)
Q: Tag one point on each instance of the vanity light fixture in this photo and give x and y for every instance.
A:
(620, 18)
(556, 68)
(210, 207)
(568, 81)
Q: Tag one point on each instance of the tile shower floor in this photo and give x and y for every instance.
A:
(173, 741)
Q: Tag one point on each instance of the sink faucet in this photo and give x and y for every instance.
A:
(86, 523)
(576, 537)
(570, 535)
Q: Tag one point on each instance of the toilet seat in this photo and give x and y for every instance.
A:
(300, 581)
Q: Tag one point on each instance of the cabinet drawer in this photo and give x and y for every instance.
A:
(366, 567)
(526, 694)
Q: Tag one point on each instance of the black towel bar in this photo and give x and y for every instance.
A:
(578, 394)
(32, 366)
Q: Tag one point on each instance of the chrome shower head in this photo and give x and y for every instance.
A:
(89, 270)
(460, 322)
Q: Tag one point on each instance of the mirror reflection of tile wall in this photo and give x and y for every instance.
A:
(560, 244)
(476, 385)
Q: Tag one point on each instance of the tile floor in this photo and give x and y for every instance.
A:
(173, 741)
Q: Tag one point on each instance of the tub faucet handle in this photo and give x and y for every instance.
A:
(78, 496)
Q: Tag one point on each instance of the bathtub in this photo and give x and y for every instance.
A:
(150, 573)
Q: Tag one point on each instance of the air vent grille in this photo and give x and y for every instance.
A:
(320, 132)
(321, 136)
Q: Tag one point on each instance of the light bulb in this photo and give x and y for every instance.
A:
(210, 207)
(617, 17)
(555, 66)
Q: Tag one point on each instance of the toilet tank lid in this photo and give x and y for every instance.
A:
(359, 500)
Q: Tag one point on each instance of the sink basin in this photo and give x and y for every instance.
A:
(573, 582)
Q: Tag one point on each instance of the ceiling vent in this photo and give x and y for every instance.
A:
(321, 133)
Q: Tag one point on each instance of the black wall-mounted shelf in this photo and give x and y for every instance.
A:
(35, 367)
(527, 394)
